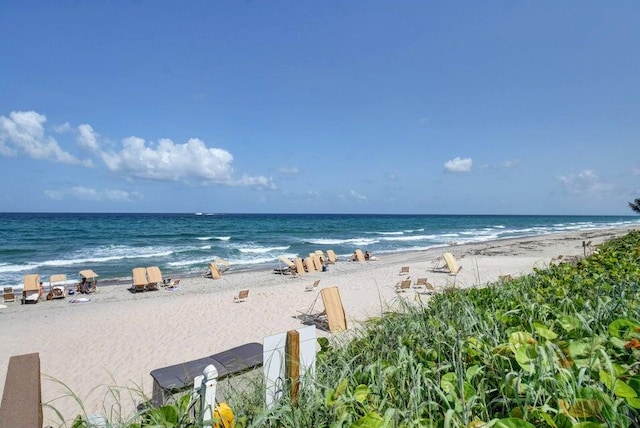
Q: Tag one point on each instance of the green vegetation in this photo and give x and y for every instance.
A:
(558, 348)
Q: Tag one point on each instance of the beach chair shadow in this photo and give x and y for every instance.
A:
(332, 318)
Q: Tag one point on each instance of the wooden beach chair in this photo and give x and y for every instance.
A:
(31, 288)
(312, 287)
(92, 280)
(242, 296)
(154, 277)
(404, 270)
(57, 286)
(331, 257)
(449, 265)
(332, 318)
(290, 267)
(138, 279)
(403, 286)
(308, 262)
(422, 282)
(359, 255)
(299, 265)
(214, 272)
(8, 295)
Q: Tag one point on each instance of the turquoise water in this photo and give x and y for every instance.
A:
(184, 244)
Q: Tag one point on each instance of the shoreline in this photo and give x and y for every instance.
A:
(118, 337)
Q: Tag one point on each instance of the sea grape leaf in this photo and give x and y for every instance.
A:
(544, 331)
(524, 359)
(370, 420)
(619, 387)
(512, 423)
(569, 323)
(582, 408)
(448, 383)
(521, 338)
(621, 327)
(361, 393)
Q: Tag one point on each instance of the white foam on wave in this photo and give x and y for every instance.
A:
(262, 250)
(352, 241)
(211, 238)
(409, 238)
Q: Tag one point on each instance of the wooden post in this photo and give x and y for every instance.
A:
(293, 364)
(22, 397)
(205, 385)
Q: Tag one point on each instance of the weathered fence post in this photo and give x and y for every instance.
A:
(22, 398)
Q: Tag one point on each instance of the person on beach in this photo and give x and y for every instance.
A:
(367, 256)
(82, 286)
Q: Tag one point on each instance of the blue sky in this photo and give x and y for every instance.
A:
(462, 107)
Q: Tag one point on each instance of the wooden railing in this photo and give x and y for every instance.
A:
(22, 398)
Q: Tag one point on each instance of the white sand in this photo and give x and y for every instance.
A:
(118, 337)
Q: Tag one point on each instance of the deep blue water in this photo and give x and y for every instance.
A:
(184, 244)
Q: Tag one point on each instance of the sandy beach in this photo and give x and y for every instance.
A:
(118, 337)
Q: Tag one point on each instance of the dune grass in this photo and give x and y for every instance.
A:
(558, 348)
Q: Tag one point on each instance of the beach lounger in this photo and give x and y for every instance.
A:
(31, 288)
(359, 256)
(213, 272)
(450, 265)
(179, 377)
(404, 270)
(57, 286)
(312, 287)
(403, 286)
(8, 295)
(308, 262)
(242, 296)
(299, 265)
(154, 277)
(92, 280)
(222, 265)
(331, 257)
(139, 279)
(332, 318)
(422, 282)
(290, 267)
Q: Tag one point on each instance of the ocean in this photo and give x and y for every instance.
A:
(184, 244)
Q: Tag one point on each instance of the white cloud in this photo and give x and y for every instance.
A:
(511, 163)
(91, 194)
(458, 165)
(87, 137)
(584, 182)
(167, 160)
(357, 196)
(23, 132)
(286, 170)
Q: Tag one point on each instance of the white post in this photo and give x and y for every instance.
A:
(206, 385)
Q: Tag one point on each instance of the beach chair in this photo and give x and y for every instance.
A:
(403, 286)
(242, 296)
(31, 288)
(404, 270)
(139, 279)
(312, 287)
(299, 265)
(332, 318)
(331, 257)
(57, 286)
(290, 267)
(317, 262)
(308, 262)
(8, 295)
(92, 280)
(154, 277)
(179, 377)
(449, 265)
(422, 282)
(359, 255)
(214, 272)
(320, 254)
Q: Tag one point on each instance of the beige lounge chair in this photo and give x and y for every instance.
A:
(359, 255)
(290, 267)
(449, 265)
(92, 280)
(404, 270)
(403, 286)
(317, 262)
(331, 257)
(31, 288)
(222, 265)
(154, 277)
(139, 279)
(332, 317)
(242, 296)
(299, 265)
(214, 272)
(320, 254)
(8, 295)
(57, 286)
(312, 287)
(308, 262)
(422, 282)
